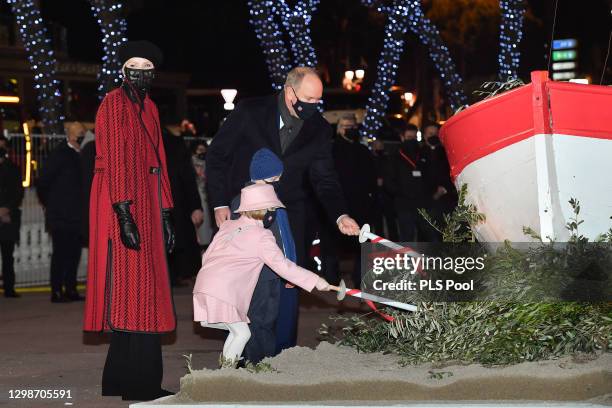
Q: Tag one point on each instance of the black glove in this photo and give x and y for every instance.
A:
(169, 236)
(127, 226)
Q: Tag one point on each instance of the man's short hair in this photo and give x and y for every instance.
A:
(297, 74)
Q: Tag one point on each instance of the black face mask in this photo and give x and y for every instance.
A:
(434, 141)
(140, 78)
(3, 152)
(201, 156)
(410, 146)
(304, 110)
(269, 218)
(80, 140)
(352, 134)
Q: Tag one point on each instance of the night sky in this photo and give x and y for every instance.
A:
(214, 41)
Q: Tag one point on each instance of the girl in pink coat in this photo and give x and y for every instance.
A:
(231, 266)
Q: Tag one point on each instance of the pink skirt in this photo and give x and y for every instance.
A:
(209, 309)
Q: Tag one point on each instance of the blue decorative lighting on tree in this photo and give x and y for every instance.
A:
(403, 15)
(114, 27)
(429, 36)
(393, 45)
(42, 62)
(297, 23)
(270, 38)
(510, 34)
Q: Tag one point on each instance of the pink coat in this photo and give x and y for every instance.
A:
(231, 267)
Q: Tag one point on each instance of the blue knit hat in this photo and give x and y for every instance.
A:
(265, 164)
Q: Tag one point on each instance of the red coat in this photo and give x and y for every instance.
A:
(128, 290)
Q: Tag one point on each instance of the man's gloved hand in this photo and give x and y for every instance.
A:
(169, 236)
(127, 226)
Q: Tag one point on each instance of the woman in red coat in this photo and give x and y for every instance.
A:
(128, 287)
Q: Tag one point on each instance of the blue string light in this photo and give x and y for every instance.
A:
(429, 35)
(510, 35)
(403, 15)
(113, 25)
(42, 62)
(271, 40)
(297, 24)
(393, 45)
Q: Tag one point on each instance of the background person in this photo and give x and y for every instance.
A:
(60, 191)
(11, 197)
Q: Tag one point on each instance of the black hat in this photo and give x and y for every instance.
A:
(141, 49)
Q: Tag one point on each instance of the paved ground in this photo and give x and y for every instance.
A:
(42, 347)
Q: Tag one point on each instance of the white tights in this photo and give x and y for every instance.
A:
(239, 335)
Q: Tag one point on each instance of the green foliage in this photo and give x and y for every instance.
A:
(494, 333)
(457, 225)
(188, 362)
(260, 367)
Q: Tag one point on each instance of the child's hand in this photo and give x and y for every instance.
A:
(322, 285)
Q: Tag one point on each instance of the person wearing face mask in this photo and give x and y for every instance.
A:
(131, 232)
(404, 180)
(198, 159)
(185, 260)
(11, 196)
(60, 192)
(383, 211)
(290, 125)
(440, 190)
(355, 167)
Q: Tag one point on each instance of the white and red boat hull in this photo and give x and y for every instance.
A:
(525, 153)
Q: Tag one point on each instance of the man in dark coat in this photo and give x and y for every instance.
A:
(357, 175)
(11, 196)
(128, 285)
(439, 189)
(404, 180)
(289, 124)
(60, 191)
(185, 260)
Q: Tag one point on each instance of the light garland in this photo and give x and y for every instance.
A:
(403, 15)
(393, 46)
(42, 61)
(113, 25)
(429, 35)
(297, 24)
(271, 40)
(510, 35)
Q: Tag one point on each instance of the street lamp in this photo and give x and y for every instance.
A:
(352, 79)
(409, 98)
(228, 96)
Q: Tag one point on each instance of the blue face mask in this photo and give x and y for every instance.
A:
(304, 110)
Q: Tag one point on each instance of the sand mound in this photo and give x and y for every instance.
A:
(332, 373)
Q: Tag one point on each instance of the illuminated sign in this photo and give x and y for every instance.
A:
(564, 44)
(567, 55)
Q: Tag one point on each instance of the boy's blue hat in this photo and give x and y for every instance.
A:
(265, 164)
